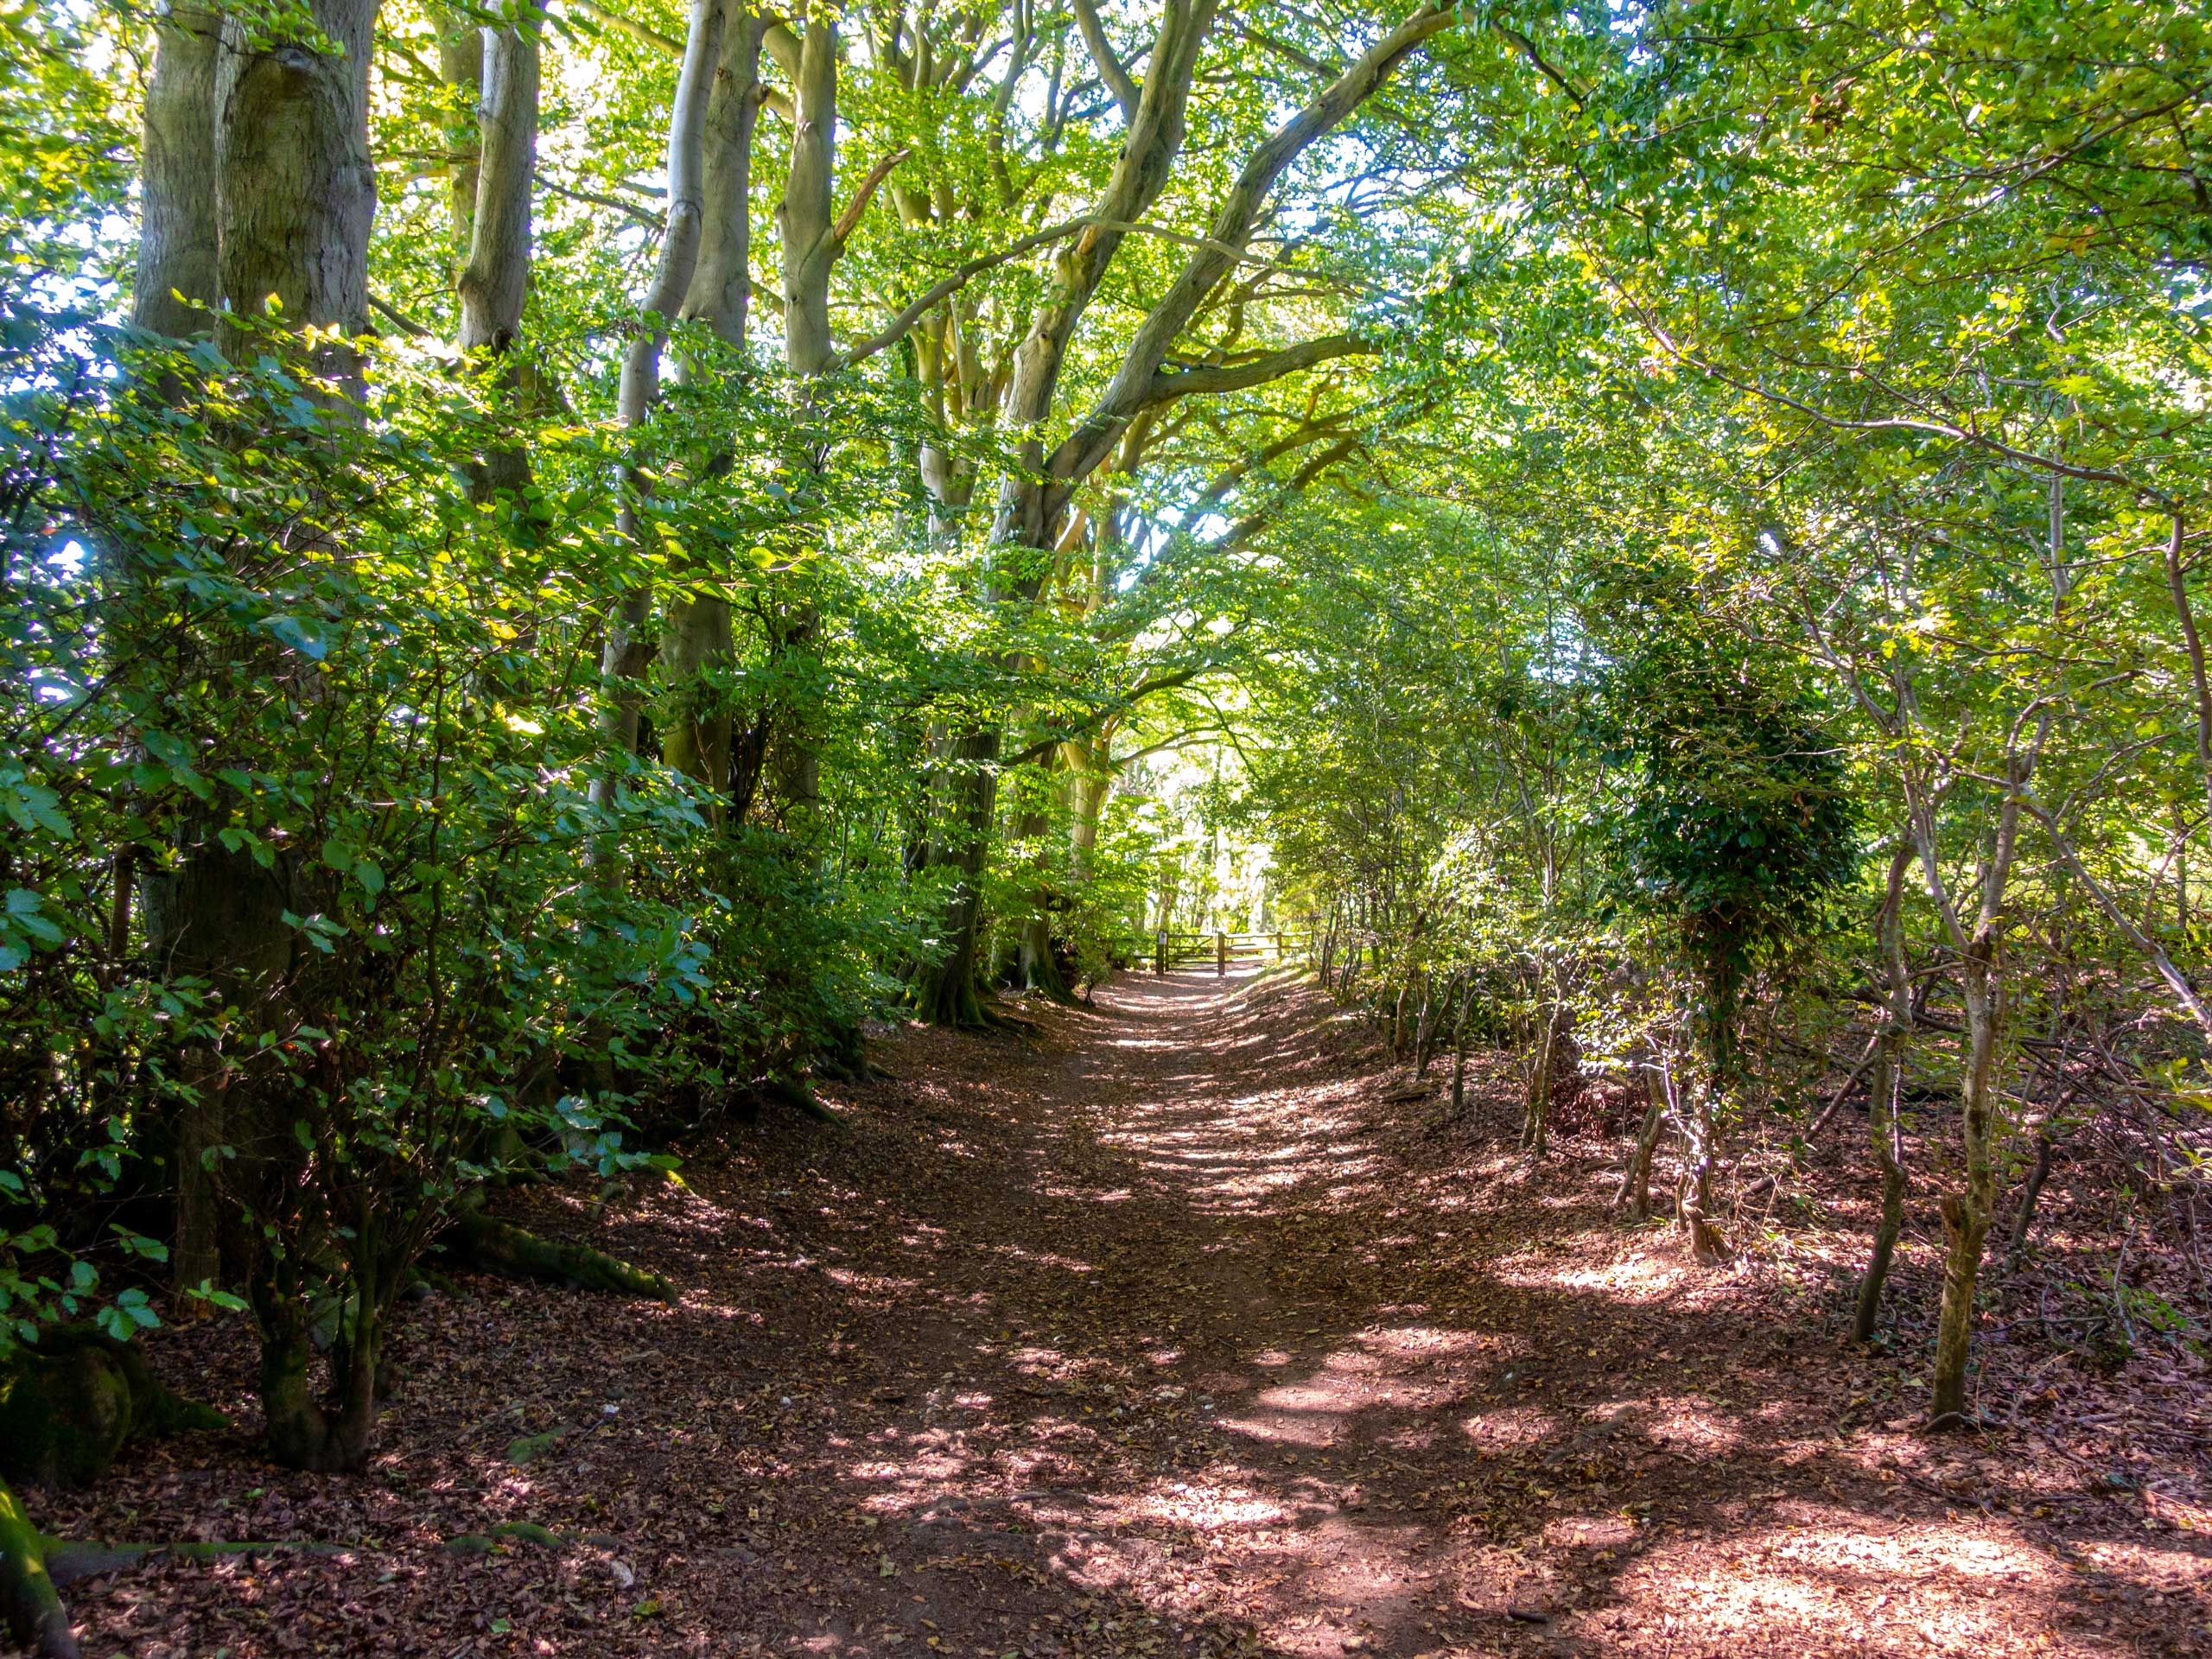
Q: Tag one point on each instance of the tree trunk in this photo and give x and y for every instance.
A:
(1889, 1149)
(947, 994)
(2025, 1219)
(295, 199)
(330, 1435)
(296, 189)
(629, 647)
(1432, 1005)
(1882, 1099)
(1701, 1126)
(2200, 678)
(809, 244)
(178, 241)
(699, 640)
(721, 291)
(1636, 1180)
(1459, 1048)
(1087, 787)
(698, 737)
(216, 915)
(794, 759)
(1037, 966)
(1714, 1093)
(30, 1608)
(178, 283)
(495, 279)
(1707, 1244)
(1535, 1125)
(1966, 1213)
(461, 73)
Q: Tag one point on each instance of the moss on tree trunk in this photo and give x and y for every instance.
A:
(35, 1614)
(67, 1405)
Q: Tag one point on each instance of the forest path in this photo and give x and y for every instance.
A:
(1202, 1332)
(1182, 1325)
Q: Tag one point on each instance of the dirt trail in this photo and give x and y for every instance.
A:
(1184, 1327)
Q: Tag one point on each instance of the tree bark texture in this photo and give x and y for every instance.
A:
(177, 275)
(297, 190)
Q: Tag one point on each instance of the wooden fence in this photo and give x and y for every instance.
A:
(1174, 950)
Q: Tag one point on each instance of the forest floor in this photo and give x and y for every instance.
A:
(1185, 1325)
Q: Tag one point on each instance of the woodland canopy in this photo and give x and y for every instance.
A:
(559, 563)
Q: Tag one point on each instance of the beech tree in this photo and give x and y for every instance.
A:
(563, 558)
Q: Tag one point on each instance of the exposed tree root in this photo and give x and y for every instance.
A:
(800, 1098)
(68, 1562)
(35, 1568)
(523, 1532)
(68, 1404)
(992, 1019)
(27, 1598)
(480, 1241)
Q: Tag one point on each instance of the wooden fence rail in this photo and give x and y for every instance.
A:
(1171, 950)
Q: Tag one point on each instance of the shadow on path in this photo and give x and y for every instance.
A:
(1186, 1328)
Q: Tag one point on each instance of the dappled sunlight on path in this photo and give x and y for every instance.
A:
(1180, 1325)
(1355, 1402)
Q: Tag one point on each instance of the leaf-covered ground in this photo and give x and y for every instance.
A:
(1183, 1326)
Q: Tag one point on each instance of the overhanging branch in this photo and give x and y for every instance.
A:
(1191, 383)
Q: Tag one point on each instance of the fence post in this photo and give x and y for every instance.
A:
(1220, 956)
(1278, 946)
(1159, 957)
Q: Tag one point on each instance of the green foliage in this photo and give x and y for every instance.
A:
(1733, 818)
(1880, 331)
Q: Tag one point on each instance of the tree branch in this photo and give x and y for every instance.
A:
(1555, 76)
(643, 216)
(1044, 746)
(850, 220)
(892, 332)
(1110, 69)
(1229, 235)
(1896, 422)
(643, 33)
(1191, 383)
(407, 325)
(779, 40)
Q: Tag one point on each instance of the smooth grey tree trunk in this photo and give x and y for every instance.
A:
(700, 741)
(460, 72)
(495, 280)
(176, 287)
(629, 645)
